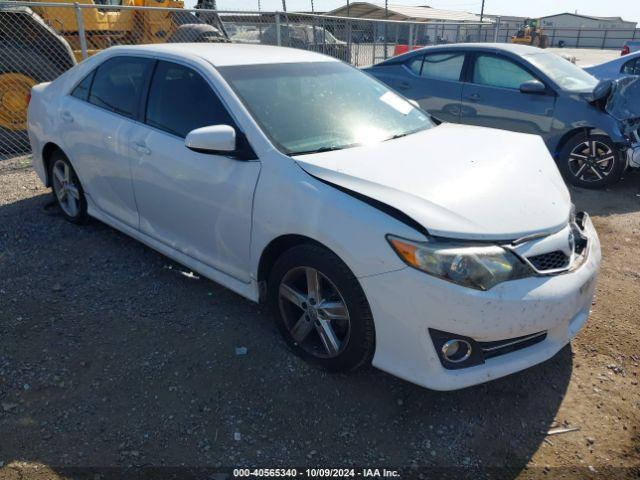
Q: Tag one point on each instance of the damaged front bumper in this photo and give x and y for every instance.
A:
(623, 104)
(633, 150)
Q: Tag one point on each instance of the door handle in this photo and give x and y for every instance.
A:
(67, 117)
(141, 148)
(474, 97)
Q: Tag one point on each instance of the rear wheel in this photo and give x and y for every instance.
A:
(321, 309)
(591, 161)
(67, 190)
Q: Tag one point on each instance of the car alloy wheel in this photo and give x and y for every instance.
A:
(66, 188)
(591, 161)
(314, 312)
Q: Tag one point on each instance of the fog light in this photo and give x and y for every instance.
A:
(456, 350)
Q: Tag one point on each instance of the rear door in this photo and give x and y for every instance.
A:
(98, 120)
(434, 81)
(199, 204)
(491, 97)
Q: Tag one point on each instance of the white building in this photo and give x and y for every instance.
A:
(574, 20)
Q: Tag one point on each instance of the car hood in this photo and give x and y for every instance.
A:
(456, 181)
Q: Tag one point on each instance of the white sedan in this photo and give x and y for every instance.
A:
(447, 255)
(618, 67)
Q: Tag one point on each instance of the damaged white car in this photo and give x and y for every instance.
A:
(446, 255)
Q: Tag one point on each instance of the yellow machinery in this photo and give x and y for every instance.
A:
(531, 34)
(37, 44)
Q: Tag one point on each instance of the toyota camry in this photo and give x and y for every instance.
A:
(448, 255)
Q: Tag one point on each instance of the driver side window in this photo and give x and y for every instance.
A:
(180, 100)
(499, 72)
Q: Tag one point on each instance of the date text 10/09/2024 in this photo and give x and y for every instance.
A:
(316, 472)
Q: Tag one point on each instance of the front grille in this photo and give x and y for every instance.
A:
(550, 261)
(500, 347)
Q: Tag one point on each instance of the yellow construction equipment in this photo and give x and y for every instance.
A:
(531, 34)
(37, 44)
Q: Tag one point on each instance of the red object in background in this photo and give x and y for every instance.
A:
(400, 49)
(625, 50)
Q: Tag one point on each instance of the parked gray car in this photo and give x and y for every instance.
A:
(524, 89)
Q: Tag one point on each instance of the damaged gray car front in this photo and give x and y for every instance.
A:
(621, 100)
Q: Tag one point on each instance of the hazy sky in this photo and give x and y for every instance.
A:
(627, 9)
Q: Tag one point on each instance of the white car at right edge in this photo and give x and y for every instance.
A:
(447, 255)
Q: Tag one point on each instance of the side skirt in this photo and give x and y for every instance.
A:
(247, 290)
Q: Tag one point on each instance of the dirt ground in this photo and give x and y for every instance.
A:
(110, 357)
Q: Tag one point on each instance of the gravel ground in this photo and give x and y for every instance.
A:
(111, 357)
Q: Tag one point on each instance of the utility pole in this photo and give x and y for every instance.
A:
(284, 5)
(482, 11)
(311, 6)
(348, 9)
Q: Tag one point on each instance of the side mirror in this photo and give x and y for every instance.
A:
(213, 139)
(533, 86)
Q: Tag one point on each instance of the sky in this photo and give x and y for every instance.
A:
(627, 9)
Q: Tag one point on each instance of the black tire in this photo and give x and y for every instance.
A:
(581, 172)
(358, 347)
(80, 216)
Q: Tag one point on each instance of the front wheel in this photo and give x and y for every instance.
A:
(321, 309)
(591, 161)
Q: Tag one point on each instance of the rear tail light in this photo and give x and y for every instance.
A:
(625, 50)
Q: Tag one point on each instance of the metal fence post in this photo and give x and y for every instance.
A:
(410, 43)
(495, 30)
(578, 38)
(604, 39)
(278, 37)
(553, 37)
(81, 34)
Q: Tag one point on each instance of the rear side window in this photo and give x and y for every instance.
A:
(119, 83)
(499, 72)
(443, 66)
(632, 67)
(82, 89)
(180, 100)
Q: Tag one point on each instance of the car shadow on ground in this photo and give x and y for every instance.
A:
(623, 197)
(112, 356)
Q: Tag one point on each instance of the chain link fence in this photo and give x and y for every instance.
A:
(40, 40)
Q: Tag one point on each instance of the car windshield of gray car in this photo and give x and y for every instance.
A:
(565, 74)
(321, 106)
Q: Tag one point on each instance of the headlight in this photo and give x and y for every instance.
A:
(475, 266)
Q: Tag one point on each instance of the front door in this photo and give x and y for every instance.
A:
(492, 97)
(197, 203)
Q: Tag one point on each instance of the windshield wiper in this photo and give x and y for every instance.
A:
(330, 148)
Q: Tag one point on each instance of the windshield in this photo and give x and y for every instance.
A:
(566, 74)
(320, 106)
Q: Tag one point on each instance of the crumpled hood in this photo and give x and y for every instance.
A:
(619, 97)
(456, 181)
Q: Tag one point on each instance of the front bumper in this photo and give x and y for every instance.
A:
(407, 303)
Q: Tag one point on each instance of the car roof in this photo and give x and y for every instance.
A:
(227, 54)
(522, 50)
(504, 47)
